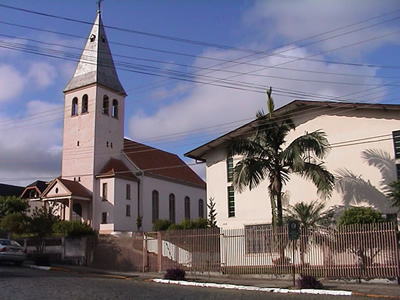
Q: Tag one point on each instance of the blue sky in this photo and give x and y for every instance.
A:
(193, 70)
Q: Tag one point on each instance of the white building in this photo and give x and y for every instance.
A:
(106, 180)
(364, 158)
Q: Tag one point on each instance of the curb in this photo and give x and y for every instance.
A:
(253, 288)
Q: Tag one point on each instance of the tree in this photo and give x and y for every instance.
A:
(16, 223)
(394, 194)
(11, 204)
(212, 214)
(360, 215)
(310, 217)
(264, 157)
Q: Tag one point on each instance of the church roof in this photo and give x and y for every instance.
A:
(74, 188)
(116, 168)
(96, 65)
(153, 161)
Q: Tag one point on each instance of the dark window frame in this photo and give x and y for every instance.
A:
(187, 208)
(155, 201)
(172, 208)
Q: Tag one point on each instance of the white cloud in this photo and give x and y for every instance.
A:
(208, 105)
(31, 145)
(11, 83)
(42, 74)
(296, 20)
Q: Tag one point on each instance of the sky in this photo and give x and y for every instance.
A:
(193, 70)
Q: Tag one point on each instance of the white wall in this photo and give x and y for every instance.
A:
(354, 128)
(165, 188)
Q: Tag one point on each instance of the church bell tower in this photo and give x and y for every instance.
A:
(94, 102)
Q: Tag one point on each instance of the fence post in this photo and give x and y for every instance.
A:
(159, 254)
(145, 254)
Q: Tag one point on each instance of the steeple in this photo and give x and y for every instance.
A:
(96, 65)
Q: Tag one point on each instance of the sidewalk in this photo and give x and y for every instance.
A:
(373, 288)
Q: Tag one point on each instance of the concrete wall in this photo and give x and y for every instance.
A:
(350, 132)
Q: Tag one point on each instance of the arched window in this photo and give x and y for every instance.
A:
(187, 208)
(85, 106)
(74, 111)
(114, 109)
(106, 105)
(155, 206)
(201, 208)
(172, 208)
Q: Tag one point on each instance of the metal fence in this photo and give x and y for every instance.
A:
(358, 251)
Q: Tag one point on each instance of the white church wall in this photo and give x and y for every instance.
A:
(165, 188)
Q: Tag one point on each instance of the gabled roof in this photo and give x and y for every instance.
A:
(116, 168)
(96, 65)
(10, 190)
(296, 107)
(39, 186)
(74, 188)
(153, 161)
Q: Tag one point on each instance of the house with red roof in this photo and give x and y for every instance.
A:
(107, 180)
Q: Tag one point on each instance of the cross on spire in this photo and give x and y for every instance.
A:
(99, 5)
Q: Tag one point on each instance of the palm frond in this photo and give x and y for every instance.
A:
(249, 172)
(321, 177)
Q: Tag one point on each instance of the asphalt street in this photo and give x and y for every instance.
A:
(26, 283)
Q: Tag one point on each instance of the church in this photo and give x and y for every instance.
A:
(106, 180)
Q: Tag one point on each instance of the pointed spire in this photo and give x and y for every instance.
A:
(96, 64)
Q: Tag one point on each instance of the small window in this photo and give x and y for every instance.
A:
(128, 192)
(259, 238)
(155, 206)
(229, 167)
(85, 104)
(187, 208)
(106, 105)
(201, 208)
(128, 210)
(104, 218)
(231, 201)
(74, 111)
(114, 109)
(104, 191)
(172, 208)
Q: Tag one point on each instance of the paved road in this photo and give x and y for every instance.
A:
(25, 283)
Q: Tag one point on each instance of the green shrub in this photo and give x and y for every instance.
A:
(308, 282)
(176, 227)
(73, 229)
(175, 274)
(161, 225)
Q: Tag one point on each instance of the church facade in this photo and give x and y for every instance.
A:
(107, 180)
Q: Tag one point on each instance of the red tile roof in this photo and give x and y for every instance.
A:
(117, 168)
(157, 162)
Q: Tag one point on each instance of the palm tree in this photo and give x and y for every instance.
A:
(264, 157)
(310, 217)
